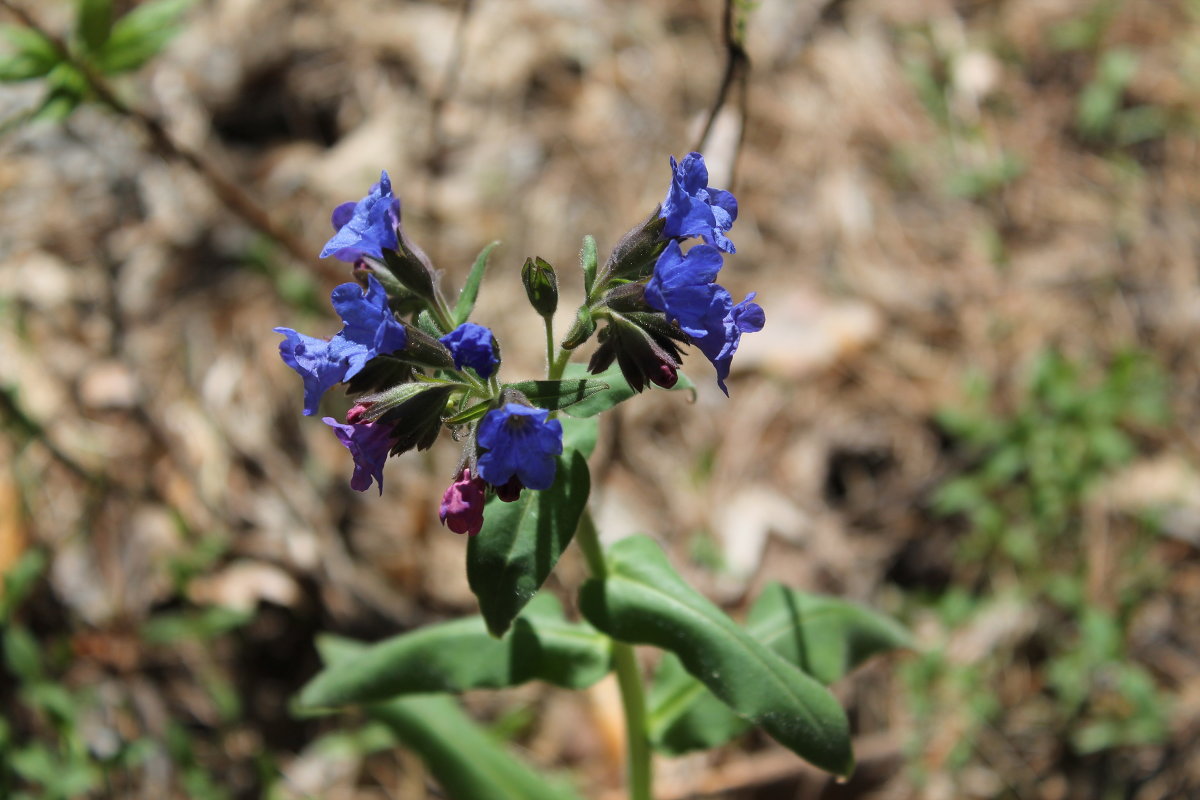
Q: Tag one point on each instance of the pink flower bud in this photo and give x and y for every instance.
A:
(462, 505)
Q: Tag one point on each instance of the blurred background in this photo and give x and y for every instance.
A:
(973, 225)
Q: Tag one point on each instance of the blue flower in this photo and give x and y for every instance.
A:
(365, 228)
(473, 346)
(725, 325)
(369, 329)
(683, 285)
(520, 441)
(368, 319)
(322, 363)
(369, 444)
(693, 209)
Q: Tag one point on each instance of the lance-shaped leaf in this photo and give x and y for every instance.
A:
(587, 262)
(618, 390)
(30, 54)
(93, 21)
(521, 541)
(463, 757)
(683, 715)
(641, 600)
(470, 290)
(66, 89)
(580, 434)
(824, 636)
(391, 399)
(139, 35)
(556, 395)
(470, 413)
(460, 655)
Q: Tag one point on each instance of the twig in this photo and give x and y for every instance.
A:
(228, 192)
(737, 67)
(437, 150)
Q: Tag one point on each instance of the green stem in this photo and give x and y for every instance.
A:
(629, 677)
(442, 313)
(559, 364)
(549, 343)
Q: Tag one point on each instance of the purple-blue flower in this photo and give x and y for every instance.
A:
(322, 363)
(693, 209)
(472, 346)
(369, 328)
(365, 228)
(725, 323)
(520, 441)
(683, 286)
(369, 444)
(368, 319)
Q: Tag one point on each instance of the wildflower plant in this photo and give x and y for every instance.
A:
(414, 365)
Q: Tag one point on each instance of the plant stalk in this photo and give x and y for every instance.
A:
(639, 766)
(549, 345)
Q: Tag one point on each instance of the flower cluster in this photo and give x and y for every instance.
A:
(650, 279)
(414, 367)
(410, 383)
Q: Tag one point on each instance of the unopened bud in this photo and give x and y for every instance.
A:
(541, 285)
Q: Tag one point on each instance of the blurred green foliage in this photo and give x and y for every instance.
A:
(1026, 473)
(56, 740)
(59, 766)
(101, 45)
(977, 167)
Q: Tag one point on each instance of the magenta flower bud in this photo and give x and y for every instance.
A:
(664, 374)
(462, 505)
(355, 415)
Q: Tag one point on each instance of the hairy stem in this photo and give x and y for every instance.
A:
(629, 678)
(549, 346)
(559, 364)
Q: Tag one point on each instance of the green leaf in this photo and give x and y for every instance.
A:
(683, 715)
(521, 541)
(21, 654)
(93, 23)
(67, 88)
(580, 434)
(139, 35)
(641, 600)
(199, 625)
(460, 655)
(385, 401)
(587, 261)
(824, 636)
(19, 581)
(556, 395)
(32, 56)
(470, 290)
(470, 413)
(468, 762)
(618, 390)
(429, 324)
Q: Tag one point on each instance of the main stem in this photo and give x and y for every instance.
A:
(629, 677)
